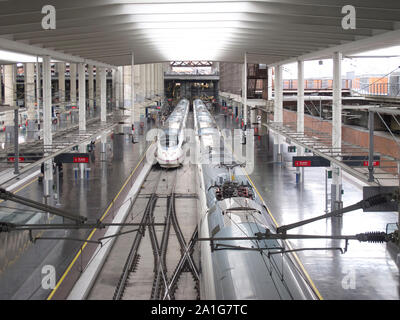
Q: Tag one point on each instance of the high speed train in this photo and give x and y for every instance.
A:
(229, 208)
(169, 153)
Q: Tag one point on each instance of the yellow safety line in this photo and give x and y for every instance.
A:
(94, 230)
(277, 225)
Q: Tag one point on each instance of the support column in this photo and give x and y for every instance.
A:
(38, 89)
(127, 88)
(244, 91)
(162, 81)
(1, 84)
(152, 75)
(82, 109)
(160, 76)
(132, 118)
(278, 112)
(103, 108)
(30, 95)
(90, 88)
(158, 79)
(155, 79)
(72, 75)
(98, 85)
(336, 193)
(61, 82)
(142, 82)
(115, 84)
(300, 115)
(47, 134)
(9, 98)
(120, 87)
(82, 96)
(269, 83)
(103, 98)
(148, 81)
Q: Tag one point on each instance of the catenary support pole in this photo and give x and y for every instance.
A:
(47, 134)
(336, 190)
(300, 114)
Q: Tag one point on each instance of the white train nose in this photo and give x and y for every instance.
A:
(170, 159)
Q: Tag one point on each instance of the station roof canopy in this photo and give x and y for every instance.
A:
(270, 31)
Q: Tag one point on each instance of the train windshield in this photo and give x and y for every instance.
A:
(169, 138)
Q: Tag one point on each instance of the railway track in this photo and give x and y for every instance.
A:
(154, 246)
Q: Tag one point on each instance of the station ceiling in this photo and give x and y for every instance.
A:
(270, 31)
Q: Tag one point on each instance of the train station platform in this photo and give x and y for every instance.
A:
(93, 196)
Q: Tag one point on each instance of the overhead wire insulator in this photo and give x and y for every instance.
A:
(373, 237)
(377, 200)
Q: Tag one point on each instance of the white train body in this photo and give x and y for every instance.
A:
(169, 152)
(229, 208)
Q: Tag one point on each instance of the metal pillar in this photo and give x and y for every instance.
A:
(120, 86)
(16, 142)
(61, 82)
(142, 82)
(279, 107)
(103, 98)
(90, 88)
(9, 98)
(47, 134)
(127, 88)
(38, 90)
(30, 95)
(103, 109)
(58, 186)
(116, 85)
(82, 96)
(72, 77)
(148, 81)
(371, 126)
(152, 77)
(244, 98)
(82, 109)
(98, 86)
(269, 83)
(162, 80)
(132, 118)
(300, 114)
(337, 129)
(159, 79)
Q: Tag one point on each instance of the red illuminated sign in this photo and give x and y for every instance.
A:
(306, 163)
(12, 159)
(375, 163)
(81, 160)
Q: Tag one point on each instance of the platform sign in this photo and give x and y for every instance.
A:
(383, 207)
(315, 161)
(12, 159)
(25, 157)
(81, 159)
(374, 163)
(72, 158)
(360, 161)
